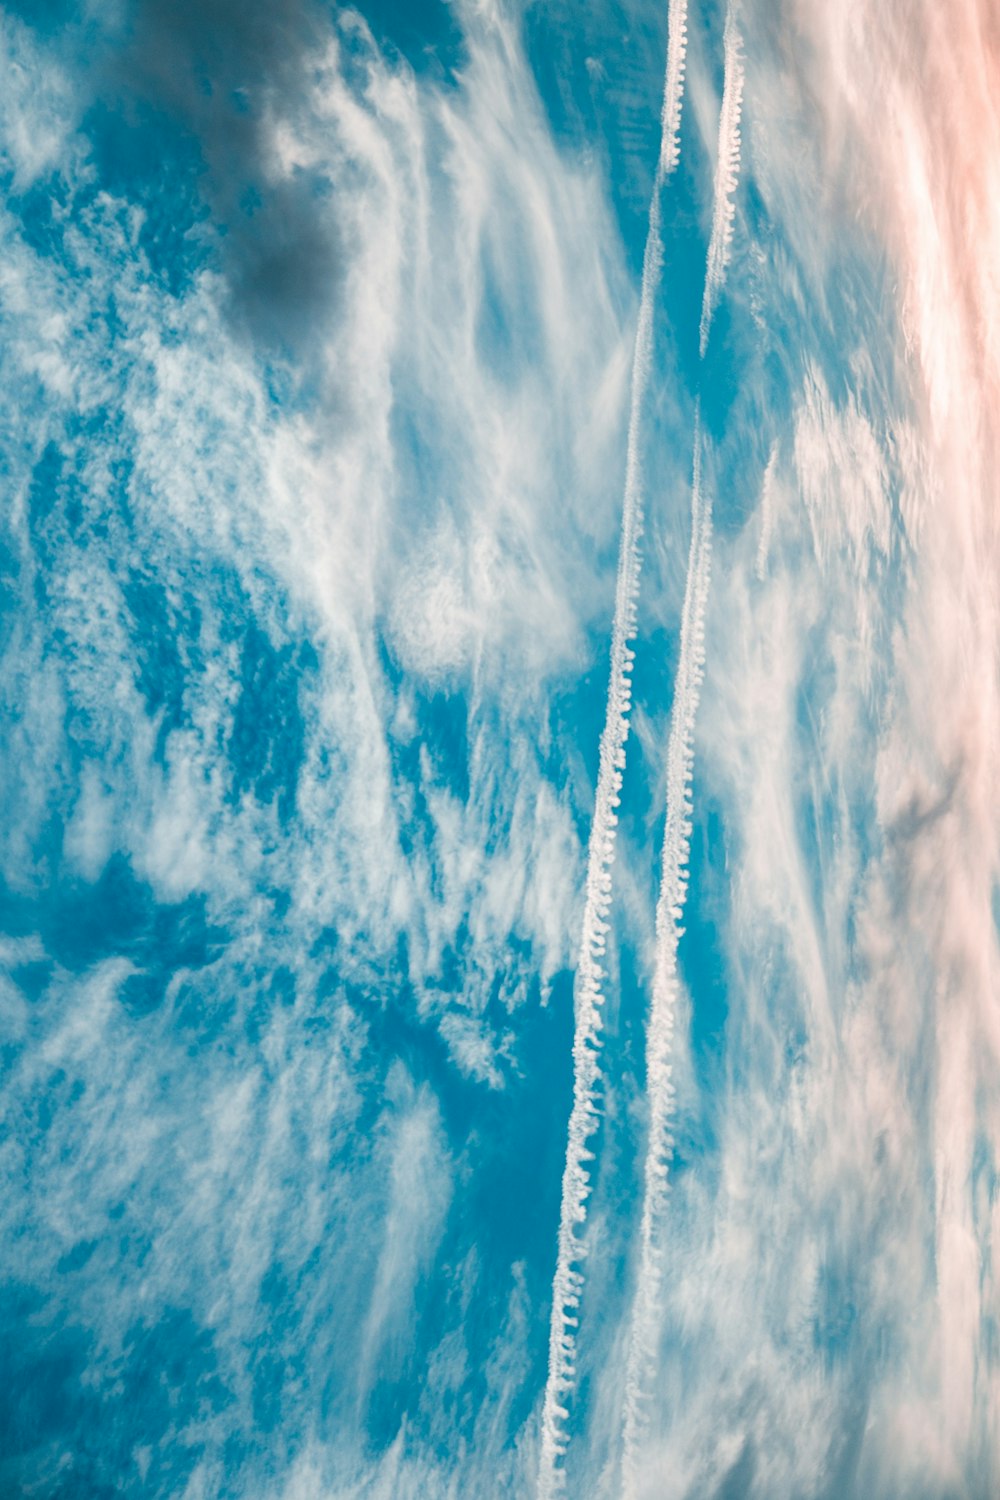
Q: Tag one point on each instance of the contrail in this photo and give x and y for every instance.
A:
(669, 911)
(673, 87)
(568, 1280)
(646, 1307)
(727, 171)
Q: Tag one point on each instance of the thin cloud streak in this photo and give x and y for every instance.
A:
(646, 1312)
(568, 1281)
(727, 171)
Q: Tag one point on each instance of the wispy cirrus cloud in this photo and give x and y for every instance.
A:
(283, 690)
(847, 1195)
(317, 362)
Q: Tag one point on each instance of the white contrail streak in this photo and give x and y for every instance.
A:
(645, 1320)
(673, 87)
(568, 1280)
(727, 171)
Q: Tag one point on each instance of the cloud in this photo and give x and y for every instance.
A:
(317, 365)
(270, 807)
(418, 1193)
(845, 724)
(180, 101)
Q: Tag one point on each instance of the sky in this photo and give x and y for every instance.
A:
(500, 750)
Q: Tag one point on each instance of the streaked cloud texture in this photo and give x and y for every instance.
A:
(428, 1070)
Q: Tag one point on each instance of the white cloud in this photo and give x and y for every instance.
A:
(435, 516)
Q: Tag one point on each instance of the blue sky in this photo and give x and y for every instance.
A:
(499, 661)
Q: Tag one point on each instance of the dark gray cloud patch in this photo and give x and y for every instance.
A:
(284, 263)
(176, 98)
(218, 69)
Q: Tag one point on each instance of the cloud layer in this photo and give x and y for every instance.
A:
(318, 339)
